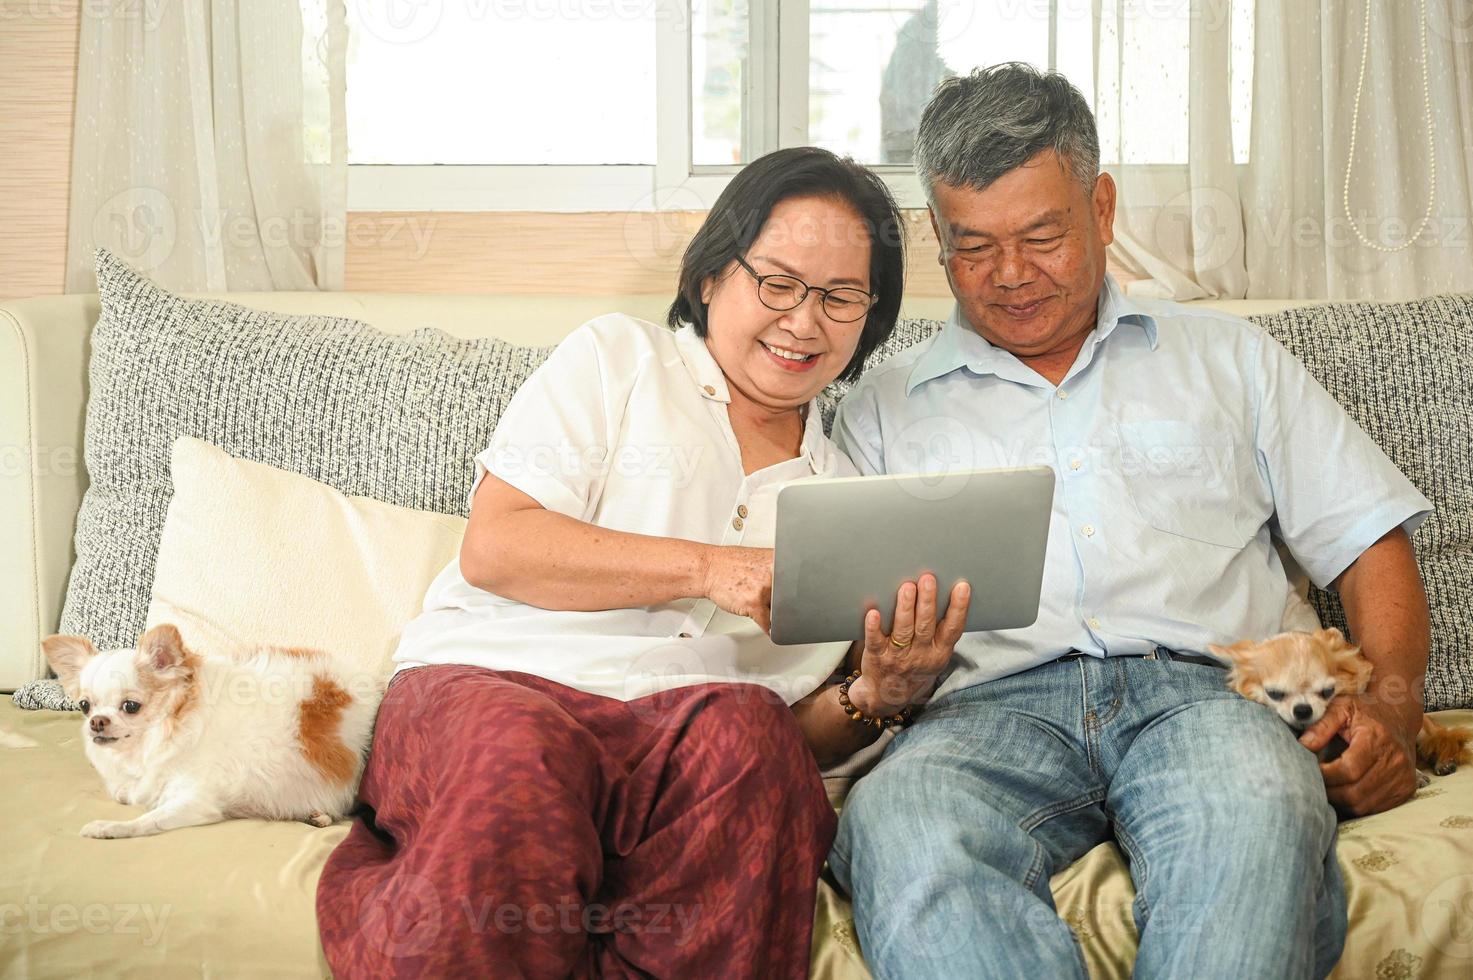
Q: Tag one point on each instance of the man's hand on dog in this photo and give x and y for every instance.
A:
(1377, 770)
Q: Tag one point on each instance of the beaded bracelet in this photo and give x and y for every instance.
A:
(890, 721)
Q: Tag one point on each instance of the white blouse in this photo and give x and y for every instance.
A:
(625, 426)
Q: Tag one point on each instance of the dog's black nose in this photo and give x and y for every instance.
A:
(99, 723)
(1302, 711)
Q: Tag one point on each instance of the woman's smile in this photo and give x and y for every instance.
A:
(788, 358)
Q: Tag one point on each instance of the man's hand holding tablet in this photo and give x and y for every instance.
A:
(899, 669)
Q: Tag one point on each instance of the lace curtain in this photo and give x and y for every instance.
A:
(209, 148)
(1269, 218)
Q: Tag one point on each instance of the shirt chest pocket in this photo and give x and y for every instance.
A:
(1190, 480)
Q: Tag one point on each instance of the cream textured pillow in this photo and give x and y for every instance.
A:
(251, 555)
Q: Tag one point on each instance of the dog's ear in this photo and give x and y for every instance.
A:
(67, 655)
(1240, 652)
(1352, 670)
(161, 650)
(1242, 678)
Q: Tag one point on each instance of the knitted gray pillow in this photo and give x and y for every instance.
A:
(396, 418)
(1402, 371)
(907, 334)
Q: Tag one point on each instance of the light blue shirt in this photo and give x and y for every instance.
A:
(1182, 440)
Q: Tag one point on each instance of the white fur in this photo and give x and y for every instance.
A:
(237, 752)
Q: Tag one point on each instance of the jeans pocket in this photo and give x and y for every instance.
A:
(1186, 478)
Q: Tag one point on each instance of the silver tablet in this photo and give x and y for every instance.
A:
(844, 546)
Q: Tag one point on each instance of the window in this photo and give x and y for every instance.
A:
(641, 104)
(495, 82)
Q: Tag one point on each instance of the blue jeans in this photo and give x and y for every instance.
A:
(948, 844)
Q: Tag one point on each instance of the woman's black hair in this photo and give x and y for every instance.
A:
(744, 206)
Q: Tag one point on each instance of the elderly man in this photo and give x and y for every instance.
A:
(1183, 440)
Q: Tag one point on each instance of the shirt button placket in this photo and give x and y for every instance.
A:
(1076, 493)
(739, 514)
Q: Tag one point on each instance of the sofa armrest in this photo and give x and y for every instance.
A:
(43, 398)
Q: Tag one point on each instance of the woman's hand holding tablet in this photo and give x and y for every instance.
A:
(739, 580)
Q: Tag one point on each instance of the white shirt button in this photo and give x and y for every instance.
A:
(1094, 624)
(1088, 530)
(741, 510)
(708, 390)
(1063, 394)
(1075, 464)
(736, 522)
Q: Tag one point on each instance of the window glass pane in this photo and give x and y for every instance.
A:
(500, 82)
(874, 63)
(1075, 56)
(719, 43)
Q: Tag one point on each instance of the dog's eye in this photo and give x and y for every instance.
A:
(1328, 692)
(132, 707)
(85, 705)
(1274, 694)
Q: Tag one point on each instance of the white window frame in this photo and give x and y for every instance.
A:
(673, 183)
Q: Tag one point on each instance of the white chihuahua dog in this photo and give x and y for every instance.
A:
(275, 733)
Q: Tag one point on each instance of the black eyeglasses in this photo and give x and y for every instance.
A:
(782, 292)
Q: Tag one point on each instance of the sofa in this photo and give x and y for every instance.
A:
(237, 898)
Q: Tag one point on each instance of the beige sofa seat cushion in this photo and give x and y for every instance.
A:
(237, 898)
(228, 900)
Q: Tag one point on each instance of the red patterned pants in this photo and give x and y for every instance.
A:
(519, 828)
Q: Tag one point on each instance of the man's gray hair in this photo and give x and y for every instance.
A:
(980, 126)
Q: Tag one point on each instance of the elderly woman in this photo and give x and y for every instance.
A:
(593, 759)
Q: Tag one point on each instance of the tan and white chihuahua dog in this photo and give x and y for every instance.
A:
(274, 733)
(1299, 674)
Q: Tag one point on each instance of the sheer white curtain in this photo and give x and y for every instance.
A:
(209, 148)
(1308, 73)
(1259, 210)
(1165, 79)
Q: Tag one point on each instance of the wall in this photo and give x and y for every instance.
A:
(520, 252)
(38, 61)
